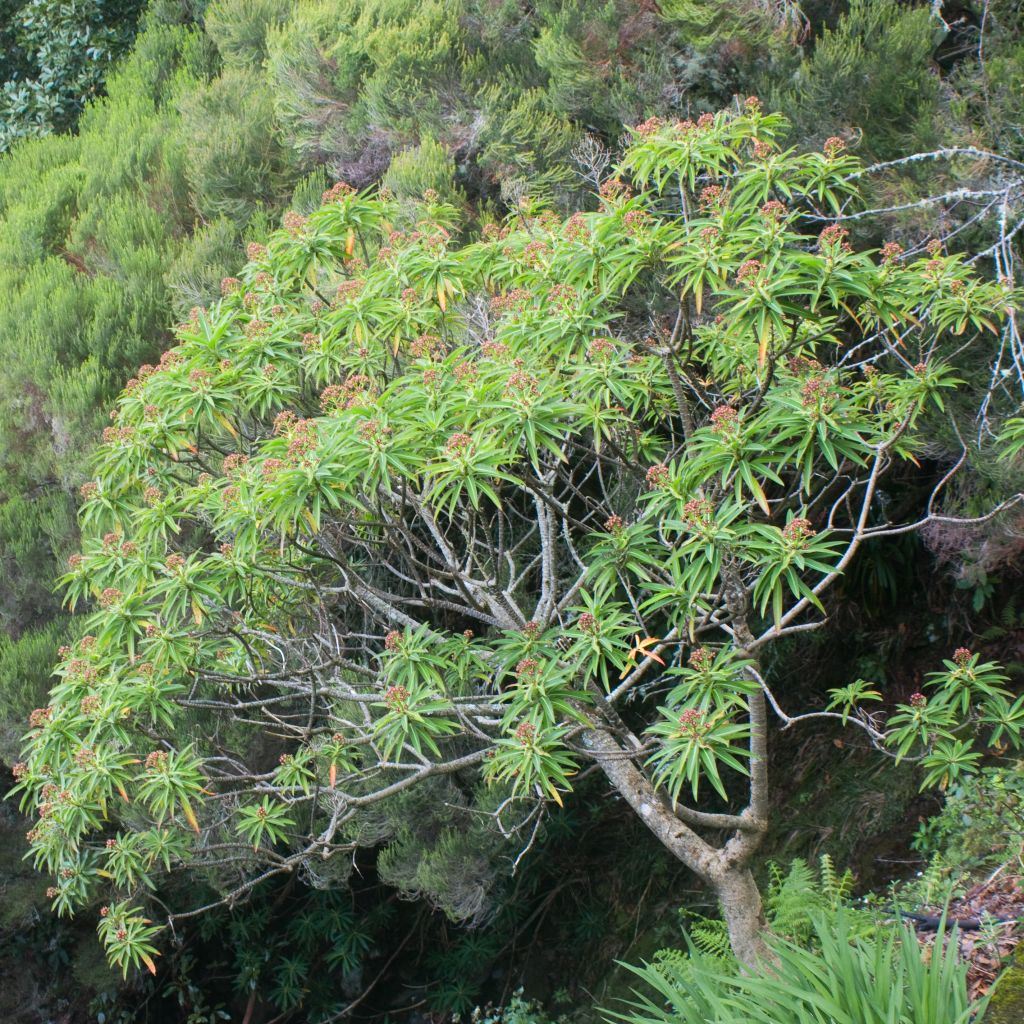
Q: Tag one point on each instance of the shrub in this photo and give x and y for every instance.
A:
(846, 980)
(445, 507)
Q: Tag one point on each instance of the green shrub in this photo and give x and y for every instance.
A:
(234, 160)
(846, 979)
(872, 75)
(54, 57)
(239, 28)
(421, 169)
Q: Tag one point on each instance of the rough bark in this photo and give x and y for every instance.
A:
(743, 914)
(724, 870)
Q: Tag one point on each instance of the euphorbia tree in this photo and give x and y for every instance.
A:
(398, 507)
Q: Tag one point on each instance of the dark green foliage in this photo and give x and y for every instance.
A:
(54, 57)
(871, 75)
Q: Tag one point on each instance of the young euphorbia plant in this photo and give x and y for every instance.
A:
(398, 507)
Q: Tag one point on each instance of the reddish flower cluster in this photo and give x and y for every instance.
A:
(156, 760)
(920, 369)
(587, 622)
(701, 659)
(84, 757)
(425, 346)
(526, 732)
(711, 196)
(934, 248)
(229, 285)
(613, 524)
(576, 229)
(692, 721)
(800, 366)
(762, 149)
(520, 385)
(75, 561)
(372, 431)
(698, 512)
(833, 146)
(891, 252)
(459, 443)
(563, 297)
(748, 271)
(114, 435)
(233, 463)
(600, 347)
(254, 251)
(962, 656)
(494, 350)
(635, 220)
(514, 301)
(723, 419)
(303, 439)
(531, 630)
(271, 467)
(527, 670)
(657, 476)
(752, 103)
(648, 127)
(834, 236)
(337, 192)
(709, 235)
(534, 253)
(393, 640)
(615, 188)
(773, 210)
(152, 495)
(797, 530)
(110, 596)
(348, 290)
(19, 769)
(396, 698)
(175, 561)
(815, 390)
(918, 700)
(89, 490)
(294, 222)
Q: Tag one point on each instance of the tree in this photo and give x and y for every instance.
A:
(399, 508)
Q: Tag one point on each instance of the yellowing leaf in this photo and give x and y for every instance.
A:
(350, 242)
(190, 816)
(225, 423)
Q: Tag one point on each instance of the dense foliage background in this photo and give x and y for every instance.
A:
(216, 120)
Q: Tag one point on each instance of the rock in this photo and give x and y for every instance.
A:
(1007, 1003)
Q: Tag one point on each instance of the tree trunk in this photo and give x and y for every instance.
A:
(725, 870)
(743, 914)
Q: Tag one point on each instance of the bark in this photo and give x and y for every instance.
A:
(725, 870)
(743, 914)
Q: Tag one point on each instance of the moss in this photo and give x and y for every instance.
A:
(90, 968)
(1007, 1004)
